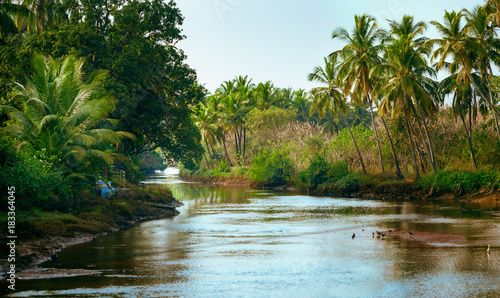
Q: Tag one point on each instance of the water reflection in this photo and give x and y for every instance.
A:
(231, 241)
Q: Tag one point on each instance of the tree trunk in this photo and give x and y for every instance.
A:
(206, 160)
(376, 135)
(410, 138)
(354, 141)
(210, 155)
(236, 139)
(494, 114)
(418, 152)
(431, 149)
(244, 140)
(492, 106)
(225, 151)
(399, 175)
(426, 146)
(468, 139)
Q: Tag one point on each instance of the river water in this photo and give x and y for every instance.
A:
(242, 242)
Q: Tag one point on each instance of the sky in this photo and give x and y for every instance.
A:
(283, 40)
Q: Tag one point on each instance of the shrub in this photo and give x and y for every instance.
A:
(349, 183)
(222, 167)
(338, 170)
(272, 168)
(460, 182)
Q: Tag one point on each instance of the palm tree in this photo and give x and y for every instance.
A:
(265, 95)
(404, 86)
(331, 95)
(410, 31)
(11, 14)
(486, 49)
(234, 108)
(43, 14)
(463, 102)
(205, 119)
(359, 56)
(62, 115)
(456, 43)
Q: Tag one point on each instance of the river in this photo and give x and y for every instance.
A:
(242, 242)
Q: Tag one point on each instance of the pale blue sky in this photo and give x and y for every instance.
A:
(282, 40)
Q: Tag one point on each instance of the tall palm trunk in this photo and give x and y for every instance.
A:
(354, 141)
(490, 103)
(244, 140)
(399, 175)
(494, 114)
(468, 139)
(236, 140)
(225, 151)
(410, 138)
(426, 146)
(206, 160)
(376, 135)
(430, 150)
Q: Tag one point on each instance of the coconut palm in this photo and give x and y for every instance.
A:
(456, 43)
(11, 14)
(62, 115)
(404, 86)
(205, 119)
(463, 102)
(408, 32)
(330, 96)
(234, 108)
(486, 47)
(359, 56)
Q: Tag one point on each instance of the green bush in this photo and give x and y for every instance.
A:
(320, 172)
(349, 183)
(222, 167)
(37, 183)
(460, 182)
(272, 168)
(338, 170)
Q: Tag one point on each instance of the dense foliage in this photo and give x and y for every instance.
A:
(379, 108)
(91, 87)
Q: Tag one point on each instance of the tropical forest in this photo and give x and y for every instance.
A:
(98, 96)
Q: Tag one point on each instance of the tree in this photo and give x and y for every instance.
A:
(359, 56)
(148, 77)
(64, 116)
(404, 85)
(330, 96)
(463, 102)
(456, 43)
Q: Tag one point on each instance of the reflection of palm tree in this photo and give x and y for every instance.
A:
(330, 96)
(62, 115)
